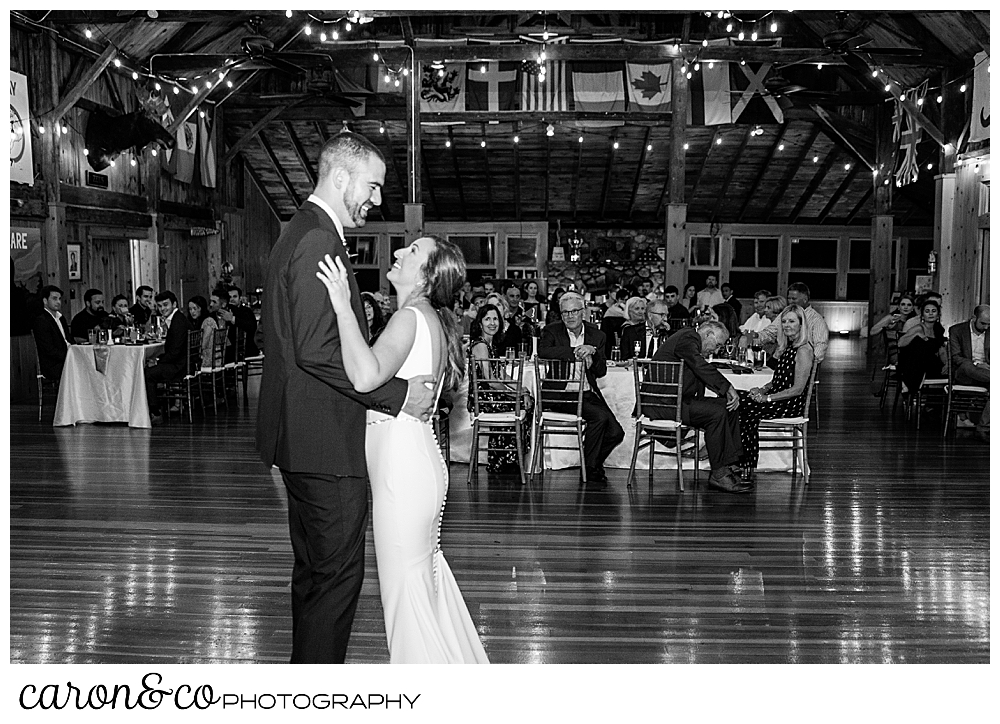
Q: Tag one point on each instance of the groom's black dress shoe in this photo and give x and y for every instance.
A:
(728, 482)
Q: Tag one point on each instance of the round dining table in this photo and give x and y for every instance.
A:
(105, 383)
(618, 389)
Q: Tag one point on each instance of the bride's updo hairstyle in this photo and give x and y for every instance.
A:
(444, 275)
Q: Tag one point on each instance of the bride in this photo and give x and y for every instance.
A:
(426, 619)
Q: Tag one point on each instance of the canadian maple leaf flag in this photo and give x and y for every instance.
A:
(649, 87)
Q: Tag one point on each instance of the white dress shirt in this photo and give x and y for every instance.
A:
(57, 316)
(978, 344)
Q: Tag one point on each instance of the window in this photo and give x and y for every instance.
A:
(368, 279)
(522, 252)
(746, 283)
(857, 287)
(478, 249)
(821, 285)
(363, 249)
(814, 254)
(755, 252)
(395, 244)
(861, 253)
(704, 252)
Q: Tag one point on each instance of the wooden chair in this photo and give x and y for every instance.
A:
(558, 409)
(658, 387)
(246, 367)
(815, 397)
(962, 398)
(932, 392)
(777, 430)
(181, 390)
(214, 372)
(890, 373)
(42, 381)
(496, 407)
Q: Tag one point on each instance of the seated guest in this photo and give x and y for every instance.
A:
(119, 318)
(373, 314)
(729, 298)
(716, 416)
(921, 348)
(772, 309)
(816, 329)
(144, 306)
(727, 315)
(757, 321)
(90, 317)
(513, 295)
(477, 301)
(511, 338)
(710, 295)
(487, 334)
(613, 319)
(969, 345)
(677, 313)
(635, 312)
(918, 304)
(199, 318)
(785, 394)
(238, 316)
(170, 365)
(52, 334)
(532, 300)
(895, 319)
(573, 339)
(552, 313)
(648, 336)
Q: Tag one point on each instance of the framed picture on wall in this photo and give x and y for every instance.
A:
(74, 262)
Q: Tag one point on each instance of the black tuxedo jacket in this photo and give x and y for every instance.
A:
(310, 419)
(174, 356)
(140, 314)
(554, 344)
(50, 344)
(685, 346)
(637, 333)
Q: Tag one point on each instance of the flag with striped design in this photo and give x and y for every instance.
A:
(548, 93)
(598, 86)
(909, 170)
(709, 103)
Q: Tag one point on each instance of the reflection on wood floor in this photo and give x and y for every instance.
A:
(170, 545)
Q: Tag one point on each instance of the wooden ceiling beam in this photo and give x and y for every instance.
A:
(782, 187)
(830, 123)
(971, 22)
(763, 170)
(857, 208)
(425, 171)
(844, 185)
(300, 152)
(263, 191)
(191, 107)
(458, 174)
(249, 136)
(638, 170)
(548, 172)
(814, 183)
(279, 170)
(704, 164)
(320, 129)
(608, 166)
(400, 178)
(92, 74)
(489, 180)
(730, 174)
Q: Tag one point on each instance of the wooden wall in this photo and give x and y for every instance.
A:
(964, 247)
(248, 234)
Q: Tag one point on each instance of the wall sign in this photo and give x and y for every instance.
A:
(21, 168)
(74, 262)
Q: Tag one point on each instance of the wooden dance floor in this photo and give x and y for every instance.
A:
(170, 545)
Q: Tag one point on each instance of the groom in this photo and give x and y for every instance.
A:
(310, 421)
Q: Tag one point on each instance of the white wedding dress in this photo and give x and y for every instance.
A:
(426, 619)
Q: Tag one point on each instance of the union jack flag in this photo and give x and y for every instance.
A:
(909, 138)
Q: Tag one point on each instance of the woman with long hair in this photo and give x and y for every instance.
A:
(690, 297)
(785, 394)
(727, 315)
(894, 320)
(199, 318)
(921, 348)
(426, 619)
(373, 315)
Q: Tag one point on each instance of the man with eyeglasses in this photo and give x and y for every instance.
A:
(648, 336)
(572, 339)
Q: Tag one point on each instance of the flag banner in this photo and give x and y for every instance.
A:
(206, 151)
(649, 87)
(377, 75)
(980, 128)
(709, 101)
(598, 87)
(167, 156)
(751, 101)
(442, 90)
(21, 169)
(494, 90)
(184, 151)
(909, 170)
(551, 93)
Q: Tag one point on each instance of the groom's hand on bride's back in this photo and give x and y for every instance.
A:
(420, 395)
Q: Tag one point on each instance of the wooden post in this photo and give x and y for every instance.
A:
(54, 230)
(675, 239)
(413, 154)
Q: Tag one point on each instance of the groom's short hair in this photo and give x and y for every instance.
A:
(346, 150)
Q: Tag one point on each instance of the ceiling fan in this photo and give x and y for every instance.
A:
(335, 88)
(789, 94)
(256, 53)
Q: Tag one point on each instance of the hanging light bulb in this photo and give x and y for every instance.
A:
(697, 66)
(288, 13)
(154, 151)
(847, 167)
(711, 64)
(201, 114)
(221, 75)
(888, 87)
(718, 141)
(616, 145)
(322, 37)
(753, 35)
(194, 89)
(229, 84)
(649, 147)
(132, 162)
(118, 63)
(689, 74)
(815, 159)
(930, 166)
(729, 27)
(742, 62)
(176, 90)
(441, 73)
(347, 27)
(307, 30)
(156, 86)
(961, 88)
(550, 130)
(542, 56)
(482, 68)
(875, 73)
(41, 129)
(920, 101)
(208, 84)
(135, 76)
(781, 147)
(704, 43)
(396, 82)
(819, 66)
(517, 139)
(687, 146)
(721, 13)
(447, 144)
(112, 163)
(406, 71)
(387, 78)
(545, 35)
(580, 139)
(375, 57)
(482, 144)
(88, 33)
(741, 35)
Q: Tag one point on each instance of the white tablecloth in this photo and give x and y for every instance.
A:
(618, 388)
(117, 395)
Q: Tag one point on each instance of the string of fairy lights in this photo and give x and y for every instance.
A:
(738, 26)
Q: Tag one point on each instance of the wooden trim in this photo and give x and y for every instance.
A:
(91, 75)
(278, 170)
(257, 128)
(300, 152)
(187, 211)
(80, 196)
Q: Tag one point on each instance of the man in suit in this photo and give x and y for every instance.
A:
(649, 336)
(677, 314)
(52, 334)
(142, 310)
(239, 316)
(716, 416)
(172, 364)
(310, 421)
(91, 316)
(969, 346)
(731, 300)
(572, 339)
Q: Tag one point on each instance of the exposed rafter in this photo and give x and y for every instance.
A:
(279, 170)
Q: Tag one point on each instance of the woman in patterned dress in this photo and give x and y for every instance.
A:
(785, 394)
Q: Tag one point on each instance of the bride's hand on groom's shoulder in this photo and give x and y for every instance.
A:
(334, 276)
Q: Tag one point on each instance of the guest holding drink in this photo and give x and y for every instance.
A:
(895, 319)
(785, 394)
(119, 319)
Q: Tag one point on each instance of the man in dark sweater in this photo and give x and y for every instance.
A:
(717, 416)
(170, 365)
(91, 316)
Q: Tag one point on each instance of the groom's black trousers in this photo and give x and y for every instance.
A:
(327, 520)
